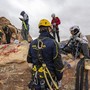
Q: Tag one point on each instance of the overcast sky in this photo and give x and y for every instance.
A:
(71, 12)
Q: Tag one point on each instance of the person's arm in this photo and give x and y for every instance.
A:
(58, 62)
(82, 39)
(57, 58)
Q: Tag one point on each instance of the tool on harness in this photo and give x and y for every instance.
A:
(35, 79)
(42, 83)
(40, 47)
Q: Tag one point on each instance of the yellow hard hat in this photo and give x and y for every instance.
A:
(44, 22)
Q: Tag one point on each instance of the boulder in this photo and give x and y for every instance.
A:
(14, 70)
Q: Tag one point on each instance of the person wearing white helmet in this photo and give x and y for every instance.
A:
(55, 22)
(79, 39)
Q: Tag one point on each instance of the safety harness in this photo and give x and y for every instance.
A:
(74, 46)
(25, 26)
(42, 71)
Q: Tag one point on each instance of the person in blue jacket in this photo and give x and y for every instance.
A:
(25, 25)
(50, 52)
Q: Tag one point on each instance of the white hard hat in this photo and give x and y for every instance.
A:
(74, 27)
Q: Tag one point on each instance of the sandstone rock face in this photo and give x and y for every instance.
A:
(14, 30)
(14, 70)
(4, 21)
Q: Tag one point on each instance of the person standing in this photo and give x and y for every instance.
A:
(1, 34)
(45, 49)
(25, 25)
(8, 33)
(55, 22)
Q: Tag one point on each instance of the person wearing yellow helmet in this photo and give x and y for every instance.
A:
(45, 49)
(44, 25)
(44, 22)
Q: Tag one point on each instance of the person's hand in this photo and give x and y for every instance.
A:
(54, 24)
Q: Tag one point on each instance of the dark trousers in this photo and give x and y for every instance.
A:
(8, 37)
(56, 33)
(25, 32)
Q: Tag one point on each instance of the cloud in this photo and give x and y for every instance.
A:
(71, 12)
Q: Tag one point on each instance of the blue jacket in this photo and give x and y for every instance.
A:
(50, 53)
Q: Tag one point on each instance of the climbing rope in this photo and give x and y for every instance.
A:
(45, 75)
